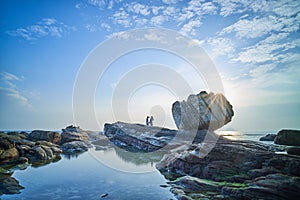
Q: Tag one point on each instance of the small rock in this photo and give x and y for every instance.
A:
(164, 186)
(268, 137)
(104, 195)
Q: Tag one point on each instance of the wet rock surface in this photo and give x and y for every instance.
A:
(142, 138)
(252, 166)
(74, 147)
(75, 140)
(41, 135)
(202, 111)
(20, 150)
(138, 137)
(9, 185)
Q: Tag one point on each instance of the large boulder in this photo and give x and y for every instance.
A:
(138, 137)
(202, 111)
(142, 138)
(288, 137)
(49, 136)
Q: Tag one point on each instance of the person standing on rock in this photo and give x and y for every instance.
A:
(151, 121)
(147, 120)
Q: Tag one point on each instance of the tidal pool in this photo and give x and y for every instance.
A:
(85, 177)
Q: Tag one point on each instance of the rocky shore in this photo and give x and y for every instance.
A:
(231, 170)
(201, 165)
(37, 148)
(197, 163)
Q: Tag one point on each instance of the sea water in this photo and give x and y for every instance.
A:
(94, 173)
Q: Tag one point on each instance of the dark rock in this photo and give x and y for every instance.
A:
(288, 137)
(74, 147)
(73, 133)
(138, 137)
(8, 151)
(25, 142)
(188, 183)
(274, 186)
(104, 195)
(254, 173)
(9, 185)
(202, 111)
(73, 128)
(227, 159)
(164, 186)
(142, 138)
(268, 137)
(42, 152)
(49, 136)
(9, 155)
(252, 166)
(293, 150)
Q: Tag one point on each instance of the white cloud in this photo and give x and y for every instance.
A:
(9, 88)
(106, 26)
(189, 28)
(156, 9)
(91, 27)
(208, 8)
(169, 1)
(157, 20)
(229, 7)
(138, 9)
(122, 18)
(282, 8)
(261, 70)
(254, 28)
(196, 42)
(267, 50)
(46, 27)
(221, 46)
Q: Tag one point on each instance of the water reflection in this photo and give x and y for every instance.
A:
(139, 158)
(83, 177)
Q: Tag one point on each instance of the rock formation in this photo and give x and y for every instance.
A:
(202, 111)
(138, 137)
(49, 136)
(288, 137)
(236, 169)
(74, 140)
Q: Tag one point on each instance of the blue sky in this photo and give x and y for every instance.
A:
(254, 45)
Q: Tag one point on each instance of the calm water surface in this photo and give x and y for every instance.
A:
(85, 177)
(92, 174)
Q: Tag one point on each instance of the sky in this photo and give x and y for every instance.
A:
(254, 45)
